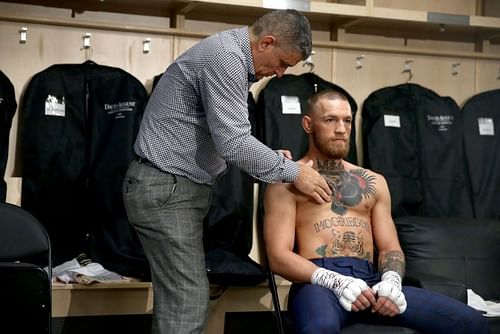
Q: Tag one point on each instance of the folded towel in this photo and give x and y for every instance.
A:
(487, 307)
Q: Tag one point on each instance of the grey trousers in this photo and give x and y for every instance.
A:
(167, 212)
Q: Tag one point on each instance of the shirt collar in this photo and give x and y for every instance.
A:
(247, 51)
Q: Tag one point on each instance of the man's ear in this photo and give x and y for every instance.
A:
(266, 42)
(306, 124)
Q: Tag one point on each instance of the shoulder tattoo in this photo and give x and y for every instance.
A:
(348, 187)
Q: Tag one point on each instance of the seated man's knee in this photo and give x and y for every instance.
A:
(471, 321)
(478, 324)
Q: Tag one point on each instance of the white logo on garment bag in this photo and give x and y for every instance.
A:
(118, 110)
(54, 106)
(441, 122)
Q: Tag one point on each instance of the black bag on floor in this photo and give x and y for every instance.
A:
(228, 227)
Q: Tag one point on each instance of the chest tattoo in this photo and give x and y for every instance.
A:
(348, 187)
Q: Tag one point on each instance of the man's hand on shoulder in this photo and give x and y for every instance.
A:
(312, 184)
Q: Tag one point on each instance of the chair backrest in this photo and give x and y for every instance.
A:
(22, 236)
(25, 286)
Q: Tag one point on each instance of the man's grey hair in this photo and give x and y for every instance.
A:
(290, 27)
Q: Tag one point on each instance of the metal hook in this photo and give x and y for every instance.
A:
(407, 69)
(454, 68)
(359, 61)
(309, 62)
(146, 45)
(86, 40)
(23, 32)
(86, 46)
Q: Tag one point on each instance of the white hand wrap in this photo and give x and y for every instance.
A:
(346, 289)
(390, 287)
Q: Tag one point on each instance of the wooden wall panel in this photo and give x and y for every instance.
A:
(382, 70)
(47, 45)
(460, 7)
(488, 73)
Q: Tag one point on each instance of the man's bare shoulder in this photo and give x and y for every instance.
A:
(281, 188)
(284, 193)
(376, 176)
(280, 200)
(350, 166)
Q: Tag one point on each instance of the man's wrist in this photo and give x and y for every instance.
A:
(390, 287)
(322, 277)
(291, 171)
(346, 288)
(393, 277)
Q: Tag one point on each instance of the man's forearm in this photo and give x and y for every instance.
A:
(392, 260)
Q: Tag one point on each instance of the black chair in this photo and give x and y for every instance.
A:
(25, 286)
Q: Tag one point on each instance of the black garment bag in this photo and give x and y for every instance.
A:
(412, 136)
(79, 124)
(8, 107)
(481, 119)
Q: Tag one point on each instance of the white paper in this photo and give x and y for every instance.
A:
(392, 121)
(73, 272)
(55, 107)
(290, 105)
(486, 126)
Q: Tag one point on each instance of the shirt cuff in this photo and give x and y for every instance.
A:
(291, 171)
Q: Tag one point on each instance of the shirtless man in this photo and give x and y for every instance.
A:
(328, 250)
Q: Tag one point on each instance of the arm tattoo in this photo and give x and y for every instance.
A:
(348, 187)
(393, 260)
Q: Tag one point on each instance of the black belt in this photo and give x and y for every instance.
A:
(144, 161)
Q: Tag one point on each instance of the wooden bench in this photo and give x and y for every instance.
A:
(136, 298)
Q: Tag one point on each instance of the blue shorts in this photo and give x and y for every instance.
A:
(315, 309)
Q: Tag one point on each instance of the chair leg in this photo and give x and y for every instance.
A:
(276, 301)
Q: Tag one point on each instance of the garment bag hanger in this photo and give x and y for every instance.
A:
(308, 62)
(87, 48)
(407, 69)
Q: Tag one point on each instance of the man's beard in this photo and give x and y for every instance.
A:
(331, 150)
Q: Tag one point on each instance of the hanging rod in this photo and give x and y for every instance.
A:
(407, 50)
(183, 33)
(101, 26)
